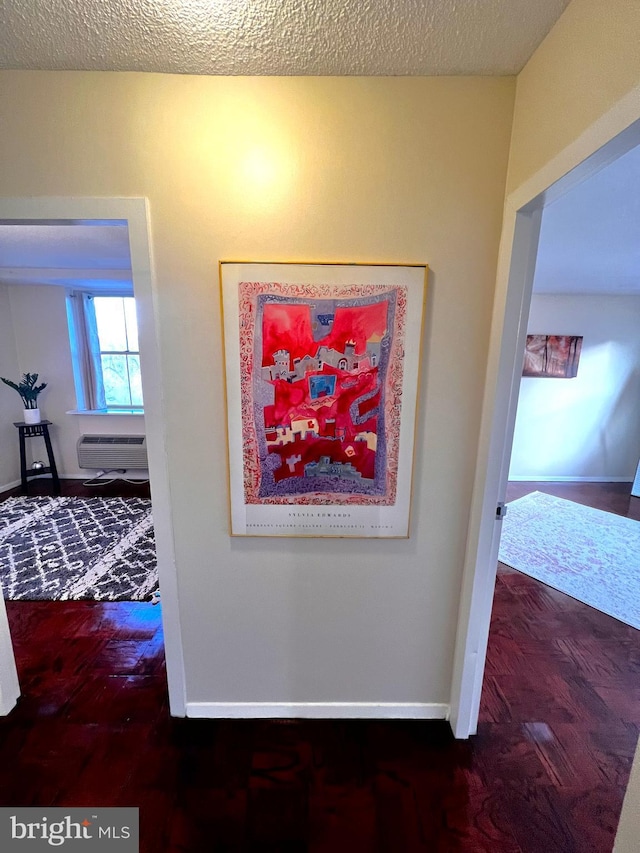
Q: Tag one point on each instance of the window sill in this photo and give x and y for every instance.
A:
(107, 412)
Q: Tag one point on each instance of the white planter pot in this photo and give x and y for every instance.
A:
(32, 416)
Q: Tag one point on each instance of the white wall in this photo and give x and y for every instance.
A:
(585, 427)
(42, 340)
(10, 403)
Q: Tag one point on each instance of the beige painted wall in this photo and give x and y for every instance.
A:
(587, 63)
(384, 169)
(628, 835)
(10, 403)
(39, 318)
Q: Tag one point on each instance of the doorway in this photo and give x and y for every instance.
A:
(521, 230)
(134, 213)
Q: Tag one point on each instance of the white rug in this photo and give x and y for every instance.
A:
(591, 555)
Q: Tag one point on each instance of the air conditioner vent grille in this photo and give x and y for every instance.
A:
(112, 452)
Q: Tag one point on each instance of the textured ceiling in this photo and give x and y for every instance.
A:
(302, 37)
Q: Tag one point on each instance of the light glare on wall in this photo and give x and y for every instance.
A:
(265, 173)
(246, 146)
(260, 168)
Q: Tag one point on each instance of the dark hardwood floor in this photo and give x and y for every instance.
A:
(546, 773)
(70, 488)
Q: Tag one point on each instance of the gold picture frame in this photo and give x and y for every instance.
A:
(322, 365)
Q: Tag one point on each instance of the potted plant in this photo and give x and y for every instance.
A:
(29, 391)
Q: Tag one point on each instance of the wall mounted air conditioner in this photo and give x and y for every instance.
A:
(112, 452)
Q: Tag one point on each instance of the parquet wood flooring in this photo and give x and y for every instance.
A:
(546, 772)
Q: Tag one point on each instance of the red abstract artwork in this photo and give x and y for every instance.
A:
(321, 392)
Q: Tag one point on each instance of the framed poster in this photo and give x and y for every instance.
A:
(322, 371)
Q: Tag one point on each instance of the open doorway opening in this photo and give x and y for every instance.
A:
(72, 334)
(575, 432)
(516, 270)
(564, 640)
(559, 704)
(562, 659)
(71, 281)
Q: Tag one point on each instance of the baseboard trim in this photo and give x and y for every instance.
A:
(533, 478)
(8, 486)
(8, 704)
(319, 710)
(91, 473)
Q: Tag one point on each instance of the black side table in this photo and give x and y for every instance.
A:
(31, 431)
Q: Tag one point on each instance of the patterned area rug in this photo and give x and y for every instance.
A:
(591, 555)
(77, 548)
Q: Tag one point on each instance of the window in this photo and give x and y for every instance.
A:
(103, 333)
(119, 351)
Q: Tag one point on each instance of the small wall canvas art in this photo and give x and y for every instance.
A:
(552, 356)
